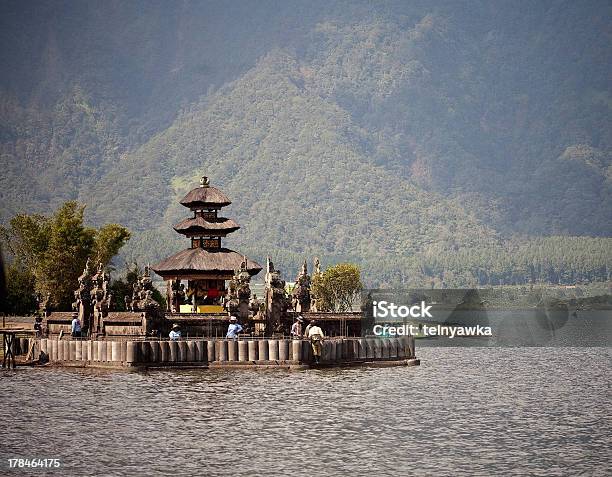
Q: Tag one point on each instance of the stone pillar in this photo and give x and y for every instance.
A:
(412, 348)
(393, 348)
(109, 350)
(131, 352)
(232, 350)
(95, 351)
(273, 350)
(221, 350)
(43, 346)
(144, 352)
(264, 354)
(386, 345)
(72, 350)
(155, 351)
(252, 345)
(53, 350)
(401, 351)
(210, 351)
(182, 351)
(378, 348)
(296, 346)
(116, 351)
(361, 348)
(200, 351)
(283, 350)
(191, 351)
(174, 351)
(243, 351)
(371, 348)
(89, 348)
(164, 351)
(123, 351)
(103, 351)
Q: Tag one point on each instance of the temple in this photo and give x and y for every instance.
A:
(206, 264)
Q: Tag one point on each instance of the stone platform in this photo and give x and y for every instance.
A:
(222, 353)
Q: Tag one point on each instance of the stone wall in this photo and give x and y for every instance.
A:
(226, 353)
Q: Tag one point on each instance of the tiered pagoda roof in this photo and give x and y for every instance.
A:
(206, 256)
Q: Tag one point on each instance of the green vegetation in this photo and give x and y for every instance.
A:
(453, 143)
(48, 254)
(337, 288)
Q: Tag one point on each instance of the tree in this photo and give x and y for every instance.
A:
(337, 287)
(21, 298)
(54, 249)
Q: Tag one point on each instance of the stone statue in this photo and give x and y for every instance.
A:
(139, 295)
(243, 290)
(301, 292)
(314, 305)
(83, 305)
(101, 298)
(276, 301)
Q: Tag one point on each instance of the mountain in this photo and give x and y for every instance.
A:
(422, 140)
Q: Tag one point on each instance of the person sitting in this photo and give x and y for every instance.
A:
(175, 332)
(296, 328)
(315, 335)
(234, 328)
(75, 327)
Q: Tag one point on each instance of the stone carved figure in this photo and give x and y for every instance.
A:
(239, 293)
(276, 301)
(317, 272)
(141, 298)
(82, 305)
(301, 292)
(101, 298)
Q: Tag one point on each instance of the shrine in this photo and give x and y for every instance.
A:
(196, 277)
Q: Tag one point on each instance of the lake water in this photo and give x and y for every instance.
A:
(477, 411)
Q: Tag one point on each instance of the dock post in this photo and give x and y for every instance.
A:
(130, 352)
(173, 351)
(252, 345)
(164, 351)
(297, 350)
(103, 351)
(53, 350)
(78, 350)
(273, 350)
(155, 352)
(232, 350)
(221, 350)
(116, 351)
(243, 351)
(263, 350)
(182, 351)
(191, 351)
(283, 350)
(210, 351)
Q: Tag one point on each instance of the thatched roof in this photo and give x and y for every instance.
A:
(205, 196)
(199, 260)
(204, 226)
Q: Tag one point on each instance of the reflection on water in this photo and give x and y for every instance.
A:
(482, 411)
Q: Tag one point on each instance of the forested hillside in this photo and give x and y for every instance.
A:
(455, 142)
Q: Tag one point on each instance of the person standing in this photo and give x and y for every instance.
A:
(75, 327)
(296, 328)
(175, 332)
(315, 335)
(234, 328)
